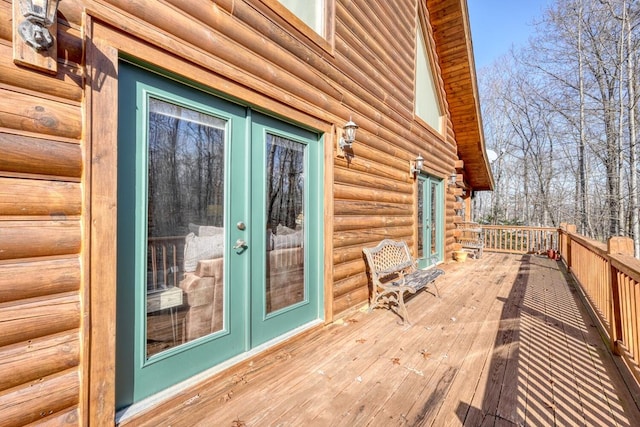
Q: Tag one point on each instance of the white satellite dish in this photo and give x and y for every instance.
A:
(491, 155)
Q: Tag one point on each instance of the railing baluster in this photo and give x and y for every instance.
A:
(154, 266)
(609, 277)
(519, 239)
(166, 260)
(633, 321)
(174, 248)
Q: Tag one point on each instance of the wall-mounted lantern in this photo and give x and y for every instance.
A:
(416, 166)
(453, 178)
(34, 34)
(349, 136)
(38, 17)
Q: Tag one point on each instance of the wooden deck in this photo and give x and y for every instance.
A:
(508, 343)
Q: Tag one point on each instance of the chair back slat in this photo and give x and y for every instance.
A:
(388, 257)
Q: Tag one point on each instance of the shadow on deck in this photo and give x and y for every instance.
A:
(508, 343)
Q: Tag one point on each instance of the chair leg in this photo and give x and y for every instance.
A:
(437, 290)
(402, 309)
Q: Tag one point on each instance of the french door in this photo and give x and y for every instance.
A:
(219, 231)
(430, 219)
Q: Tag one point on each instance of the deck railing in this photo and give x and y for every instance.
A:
(589, 263)
(608, 276)
(519, 239)
(165, 258)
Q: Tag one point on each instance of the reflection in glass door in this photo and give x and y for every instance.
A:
(176, 195)
(219, 231)
(430, 200)
(285, 189)
(284, 282)
(186, 192)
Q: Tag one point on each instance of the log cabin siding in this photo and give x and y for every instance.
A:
(384, 157)
(40, 234)
(247, 51)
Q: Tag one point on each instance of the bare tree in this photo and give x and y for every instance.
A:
(572, 105)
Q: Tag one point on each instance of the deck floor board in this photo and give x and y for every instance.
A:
(508, 343)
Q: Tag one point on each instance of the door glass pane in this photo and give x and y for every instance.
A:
(420, 218)
(185, 225)
(285, 195)
(433, 228)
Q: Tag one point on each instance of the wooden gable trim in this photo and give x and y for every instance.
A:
(452, 34)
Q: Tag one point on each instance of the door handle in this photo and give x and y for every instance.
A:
(240, 244)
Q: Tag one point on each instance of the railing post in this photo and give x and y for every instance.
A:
(616, 246)
(571, 228)
(561, 239)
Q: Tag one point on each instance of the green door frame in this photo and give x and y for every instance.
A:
(137, 376)
(432, 191)
(264, 325)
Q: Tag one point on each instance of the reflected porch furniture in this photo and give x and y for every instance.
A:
(394, 272)
(204, 298)
(204, 289)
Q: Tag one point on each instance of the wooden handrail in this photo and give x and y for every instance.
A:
(519, 239)
(609, 278)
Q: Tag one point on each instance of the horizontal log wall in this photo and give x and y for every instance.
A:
(41, 297)
(242, 48)
(370, 77)
(374, 194)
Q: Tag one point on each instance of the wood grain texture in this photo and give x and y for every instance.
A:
(67, 417)
(40, 399)
(39, 115)
(349, 269)
(37, 156)
(30, 239)
(67, 83)
(348, 253)
(39, 198)
(38, 278)
(351, 300)
(31, 360)
(39, 317)
(101, 171)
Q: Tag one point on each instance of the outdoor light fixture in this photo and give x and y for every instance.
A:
(453, 178)
(416, 165)
(349, 137)
(39, 16)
